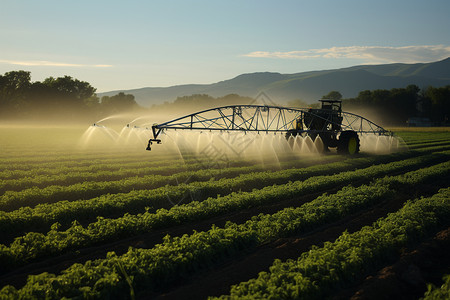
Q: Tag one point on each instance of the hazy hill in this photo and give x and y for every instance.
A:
(308, 86)
(439, 69)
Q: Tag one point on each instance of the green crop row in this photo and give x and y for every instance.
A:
(431, 141)
(159, 167)
(68, 176)
(35, 244)
(22, 176)
(73, 177)
(105, 277)
(350, 256)
(12, 200)
(422, 139)
(425, 145)
(42, 216)
(432, 149)
(57, 169)
(84, 159)
(70, 158)
(87, 162)
(410, 136)
(412, 140)
(165, 167)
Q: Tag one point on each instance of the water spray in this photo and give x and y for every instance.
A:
(239, 130)
(327, 127)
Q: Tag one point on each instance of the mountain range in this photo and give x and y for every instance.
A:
(307, 86)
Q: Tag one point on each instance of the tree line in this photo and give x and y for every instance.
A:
(191, 103)
(61, 97)
(397, 105)
(66, 97)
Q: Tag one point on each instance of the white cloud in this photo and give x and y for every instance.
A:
(368, 54)
(44, 63)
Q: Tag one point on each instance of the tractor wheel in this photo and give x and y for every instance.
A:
(348, 143)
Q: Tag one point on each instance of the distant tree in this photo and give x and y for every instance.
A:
(53, 97)
(118, 103)
(403, 102)
(438, 100)
(333, 95)
(195, 99)
(393, 106)
(194, 102)
(14, 87)
(364, 97)
(92, 102)
(413, 89)
(379, 97)
(40, 96)
(231, 97)
(69, 90)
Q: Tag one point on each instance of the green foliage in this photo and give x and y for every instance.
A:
(14, 87)
(68, 88)
(438, 293)
(398, 104)
(56, 98)
(319, 270)
(333, 95)
(79, 224)
(311, 275)
(19, 97)
(118, 103)
(150, 268)
(394, 106)
(436, 103)
(43, 215)
(332, 208)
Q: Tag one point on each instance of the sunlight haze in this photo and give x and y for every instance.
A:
(123, 45)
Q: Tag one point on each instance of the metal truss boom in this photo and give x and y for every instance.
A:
(265, 118)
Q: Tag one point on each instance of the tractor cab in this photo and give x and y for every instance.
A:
(328, 118)
(324, 122)
(334, 105)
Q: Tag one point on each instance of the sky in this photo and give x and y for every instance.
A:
(120, 45)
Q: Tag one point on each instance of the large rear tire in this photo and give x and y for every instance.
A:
(348, 143)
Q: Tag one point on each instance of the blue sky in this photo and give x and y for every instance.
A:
(132, 44)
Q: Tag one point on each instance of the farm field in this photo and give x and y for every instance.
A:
(122, 222)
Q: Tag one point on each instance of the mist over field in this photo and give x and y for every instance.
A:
(239, 189)
(67, 100)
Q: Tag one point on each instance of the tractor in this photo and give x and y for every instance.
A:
(326, 122)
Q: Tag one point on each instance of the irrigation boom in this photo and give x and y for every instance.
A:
(328, 122)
